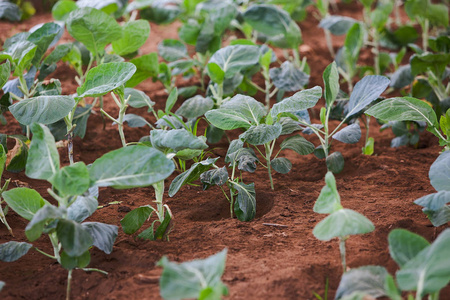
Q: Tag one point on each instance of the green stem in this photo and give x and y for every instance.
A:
(425, 29)
(434, 296)
(376, 52)
(269, 169)
(94, 270)
(329, 42)
(342, 250)
(367, 129)
(3, 219)
(159, 193)
(44, 253)
(296, 57)
(55, 243)
(69, 281)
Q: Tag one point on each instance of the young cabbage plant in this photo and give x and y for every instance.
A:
(340, 222)
(75, 189)
(199, 279)
(263, 129)
(4, 211)
(63, 8)
(365, 92)
(437, 205)
(423, 270)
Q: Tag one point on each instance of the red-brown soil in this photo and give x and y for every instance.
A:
(263, 262)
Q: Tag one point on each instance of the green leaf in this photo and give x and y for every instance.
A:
(234, 59)
(62, 9)
(72, 262)
(281, 165)
(135, 219)
(75, 240)
(438, 217)
(299, 101)
(268, 19)
(106, 78)
(103, 235)
(349, 135)
(214, 177)
(430, 268)
(434, 201)
(216, 73)
(335, 162)
(253, 110)
(5, 72)
(288, 77)
(439, 173)
(227, 119)
(12, 251)
(172, 50)
(132, 166)
(42, 109)
(245, 204)
(352, 45)
(83, 206)
(368, 149)
(329, 200)
(436, 63)
(43, 216)
(403, 109)
(135, 33)
(19, 160)
(365, 92)
(176, 139)
(22, 54)
(2, 284)
(244, 157)
(10, 11)
(138, 98)
(43, 38)
(190, 175)
(2, 159)
(171, 100)
(94, 28)
(195, 107)
(189, 279)
(43, 157)
(331, 83)
(299, 144)
(368, 280)
(24, 201)
(405, 245)
(342, 223)
(337, 25)
(71, 180)
(261, 134)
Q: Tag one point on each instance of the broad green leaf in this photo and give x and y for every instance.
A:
(405, 245)
(190, 175)
(12, 251)
(365, 92)
(62, 9)
(436, 63)
(342, 223)
(172, 50)
(42, 109)
(430, 268)
(227, 119)
(439, 216)
(134, 121)
(177, 139)
(24, 201)
(368, 280)
(2, 159)
(195, 107)
(329, 200)
(214, 177)
(5, 72)
(59, 129)
(75, 240)
(10, 11)
(350, 134)
(189, 279)
(106, 78)
(402, 77)
(281, 165)
(253, 110)
(268, 19)
(299, 144)
(404, 109)
(439, 172)
(216, 73)
(72, 180)
(132, 166)
(43, 216)
(261, 134)
(2, 284)
(331, 83)
(83, 206)
(434, 201)
(161, 11)
(135, 33)
(108, 6)
(220, 12)
(43, 157)
(368, 148)
(299, 101)
(352, 44)
(138, 98)
(135, 219)
(288, 77)
(289, 125)
(234, 59)
(22, 54)
(71, 262)
(43, 38)
(244, 157)
(19, 160)
(245, 203)
(171, 100)
(94, 28)
(188, 154)
(214, 134)
(337, 25)
(335, 162)
(103, 235)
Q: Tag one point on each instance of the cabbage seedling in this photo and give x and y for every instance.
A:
(3, 211)
(340, 222)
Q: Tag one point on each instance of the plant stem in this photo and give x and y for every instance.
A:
(367, 129)
(94, 270)
(269, 169)
(342, 250)
(54, 239)
(3, 219)
(69, 280)
(44, 253)
(159, 193)
(376, 51)
(296, 54)
(329, 42)
(425, 29)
